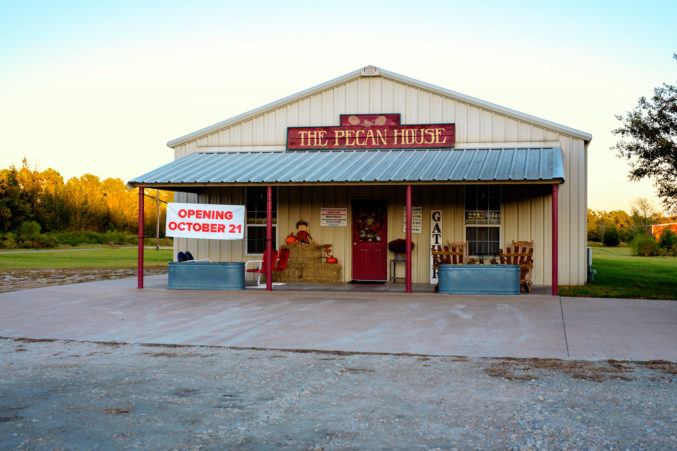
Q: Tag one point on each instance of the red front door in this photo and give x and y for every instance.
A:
(370, 232)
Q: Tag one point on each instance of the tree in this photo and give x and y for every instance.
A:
(643, 215)
(649, 142)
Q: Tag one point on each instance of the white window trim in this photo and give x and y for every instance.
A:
(275, 226)
(499, 226)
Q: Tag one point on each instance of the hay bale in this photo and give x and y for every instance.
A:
(306, 264)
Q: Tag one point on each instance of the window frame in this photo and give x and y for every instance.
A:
(247, 226)
(497, 226)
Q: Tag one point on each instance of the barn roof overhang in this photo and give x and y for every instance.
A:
(196, 171)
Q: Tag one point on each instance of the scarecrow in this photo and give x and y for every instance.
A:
(302, 234)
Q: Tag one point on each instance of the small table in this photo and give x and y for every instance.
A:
(393, 270)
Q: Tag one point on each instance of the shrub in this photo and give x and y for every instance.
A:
(628, 234)
(668, 241)
(612, 236)
(645, 245)
(8, 241)
(593, 235)
(29, 231)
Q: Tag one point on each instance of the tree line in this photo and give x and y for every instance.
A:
(614, 227)
(39, 205)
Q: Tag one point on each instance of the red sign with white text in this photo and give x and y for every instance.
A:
(371, 131)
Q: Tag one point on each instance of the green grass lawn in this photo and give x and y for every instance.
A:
(621, 275)
(99, 258)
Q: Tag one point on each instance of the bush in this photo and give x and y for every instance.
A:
(8, 241)
(668, 241)
(593, 235)
(612, 236)
(645, 245)
(628, 234)
(29, 231)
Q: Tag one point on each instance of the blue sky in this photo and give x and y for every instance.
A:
(102, 86)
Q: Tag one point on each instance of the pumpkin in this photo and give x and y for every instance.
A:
(291, 239)
(332, 260)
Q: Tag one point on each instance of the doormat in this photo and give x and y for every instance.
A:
(366, 282)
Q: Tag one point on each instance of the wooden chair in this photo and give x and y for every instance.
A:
(522, 257)
(521, 244)
(453, 253)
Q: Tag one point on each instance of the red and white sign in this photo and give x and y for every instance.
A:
(210, 221)
(372, 131)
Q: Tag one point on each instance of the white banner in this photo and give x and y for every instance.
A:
(210, 221)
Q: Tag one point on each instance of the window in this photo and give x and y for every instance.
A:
(256, 220)
(483, 219)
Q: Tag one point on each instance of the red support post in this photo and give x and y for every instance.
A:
(555, 189)
(140, 269)
(408, 244)
(269, 239)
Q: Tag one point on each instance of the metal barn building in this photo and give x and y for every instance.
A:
(496, 182)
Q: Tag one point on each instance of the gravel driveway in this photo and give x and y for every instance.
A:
(84, 395)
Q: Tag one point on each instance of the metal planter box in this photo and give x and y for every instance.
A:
(194, 275)
(479, 279)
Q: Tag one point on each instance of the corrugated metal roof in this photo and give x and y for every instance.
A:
(541, 164)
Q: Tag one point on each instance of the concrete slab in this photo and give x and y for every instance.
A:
(391, 322)
(632, 329)
(425, 323)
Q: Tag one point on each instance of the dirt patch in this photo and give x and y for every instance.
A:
(526, 369)
(8, 419)
(23, 279)
(662, 365)
(356, 370)
(118, 410)
(174, 354)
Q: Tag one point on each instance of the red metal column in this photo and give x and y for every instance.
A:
(269, 239)
(408, 262)
(140, 269)
(555, 188)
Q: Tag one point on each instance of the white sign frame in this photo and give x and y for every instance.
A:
(416, 220)
(205, 221)
(334, 217)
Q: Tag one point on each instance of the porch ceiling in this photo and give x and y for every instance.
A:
(359, 167)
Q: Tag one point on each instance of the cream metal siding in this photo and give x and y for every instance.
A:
(523, 207)
(525, 218)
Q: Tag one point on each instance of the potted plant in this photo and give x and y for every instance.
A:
(399, 248)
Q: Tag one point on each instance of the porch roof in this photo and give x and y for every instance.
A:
(385, 167)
